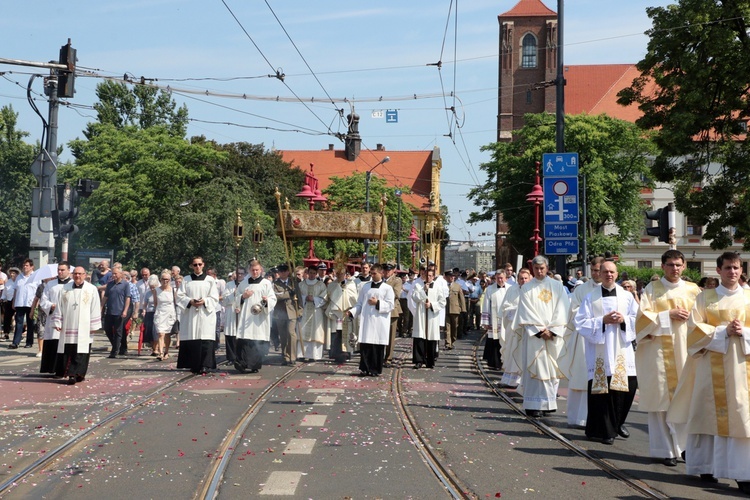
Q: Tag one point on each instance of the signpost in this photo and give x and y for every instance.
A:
(560, 203)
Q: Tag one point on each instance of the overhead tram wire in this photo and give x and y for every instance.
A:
(279, 74)
(312, 72)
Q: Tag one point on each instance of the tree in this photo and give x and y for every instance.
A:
(613, 156)
(16, 183)
(145, 175)
(348, 194)
(693, 91)
(143, 107)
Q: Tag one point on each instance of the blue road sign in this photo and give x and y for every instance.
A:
(561, 247)
(560, 164)
(561, 231)
(560, 199)
(391, 116)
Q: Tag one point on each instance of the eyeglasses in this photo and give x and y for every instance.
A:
(196, 264)
(166, 279)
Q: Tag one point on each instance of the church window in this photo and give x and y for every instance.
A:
(528, 51)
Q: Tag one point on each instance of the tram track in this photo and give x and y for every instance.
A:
(71, 444)
(552, 433)
(453, 486)
(211, 484)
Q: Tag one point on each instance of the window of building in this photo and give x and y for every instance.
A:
(528, 51)
(695, 266)
(692, 228)
(645, 264)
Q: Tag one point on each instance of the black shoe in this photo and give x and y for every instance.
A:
(13, 346)
(254, 370)
(609, 441)
(683, 455)
(670, 462)
(28, 346)
(239, 367)
(72, 381)
(112, 356)
(418, 366)
(623, 432)
(534, 413)
(744, 487)
(708, 478)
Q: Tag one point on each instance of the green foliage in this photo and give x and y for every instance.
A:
(16, 183)
(613, 156)
(697, 58)
(348, 194)
(142, 106)
(646, 273)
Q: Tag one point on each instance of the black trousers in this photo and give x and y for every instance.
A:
(607, 412)
(424, 351)
(114, 327)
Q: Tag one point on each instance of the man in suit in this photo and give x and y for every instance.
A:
(456, 307)
(392, 279)
(286, 312)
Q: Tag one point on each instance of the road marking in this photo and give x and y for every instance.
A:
(213, 391)
(281, 483)
(17, 412)
(300, 446)
(464, 364)
(314, 420)
(325, 400)
(17, 362)
(326, 391)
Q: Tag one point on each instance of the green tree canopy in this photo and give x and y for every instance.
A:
(613, 156)
(142, 106)
(693, 91)
(16, 183)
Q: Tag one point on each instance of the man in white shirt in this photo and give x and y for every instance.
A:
(23, 296)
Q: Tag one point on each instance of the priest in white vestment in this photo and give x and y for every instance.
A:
(76, 315)
(197, 304)
(231, 318)
(373, 308)
(48, 303)
(540, 321)
(342, 296)
(572, 360)
(312, 334)
(254, 302)
(426, 302)
(661, 332)
(712, 395)
(510, 349)
(491, 320)
(606, 320)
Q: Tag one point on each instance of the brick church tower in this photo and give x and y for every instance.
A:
(528, 64)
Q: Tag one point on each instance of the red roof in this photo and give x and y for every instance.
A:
(529, 8)
(412, 169)
(593, 89)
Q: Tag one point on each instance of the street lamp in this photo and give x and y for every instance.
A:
(398, 231)
(238, 234)
(368, 176)
(536, 196)
(257, 238)
(414, 238)
(312, 193)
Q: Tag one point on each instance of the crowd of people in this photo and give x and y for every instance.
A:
(685, 346)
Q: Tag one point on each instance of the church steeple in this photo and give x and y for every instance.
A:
(528, 60)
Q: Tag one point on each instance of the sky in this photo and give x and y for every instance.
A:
(219, 57)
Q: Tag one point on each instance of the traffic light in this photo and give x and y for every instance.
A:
(662, 228)
(66, 210)
(66, 78)
(85, 187)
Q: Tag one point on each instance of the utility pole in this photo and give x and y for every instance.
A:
(60, 83)
(560, 260)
